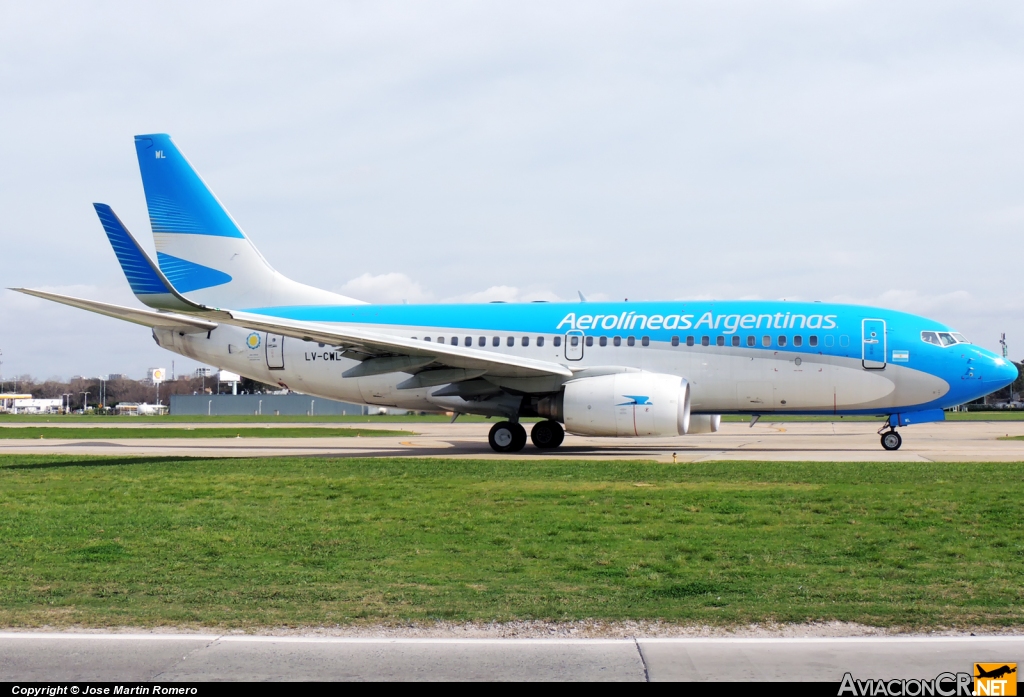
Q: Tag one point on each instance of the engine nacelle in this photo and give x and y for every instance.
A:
(622, 404)
(705, 423)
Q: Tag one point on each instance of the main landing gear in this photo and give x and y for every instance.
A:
(509, 437)
(891, 440)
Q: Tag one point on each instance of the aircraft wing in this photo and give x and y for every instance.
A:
(365, 345)
(147, 318)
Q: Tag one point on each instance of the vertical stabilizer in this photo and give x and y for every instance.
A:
(200, 249)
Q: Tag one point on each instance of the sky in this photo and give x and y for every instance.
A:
(867, 152)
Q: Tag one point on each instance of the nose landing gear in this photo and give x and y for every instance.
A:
(891, 440)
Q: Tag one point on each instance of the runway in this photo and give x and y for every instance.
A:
(955, 441)
(35, 656)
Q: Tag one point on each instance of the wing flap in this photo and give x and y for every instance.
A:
(378, 344)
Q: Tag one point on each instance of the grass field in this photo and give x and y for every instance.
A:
(301, 541)
(83, 432)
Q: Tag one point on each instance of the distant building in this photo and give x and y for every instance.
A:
(25, 404)
(292, 404)
(204, 372)
(139, 409)
(8, 399)
(117, 376)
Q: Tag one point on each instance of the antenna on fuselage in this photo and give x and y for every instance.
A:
(583, 298)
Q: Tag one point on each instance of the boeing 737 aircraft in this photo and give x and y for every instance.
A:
(597, 369)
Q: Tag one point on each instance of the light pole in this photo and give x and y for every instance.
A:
(67, 396)
(85, 400)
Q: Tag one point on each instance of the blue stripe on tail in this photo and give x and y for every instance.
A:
(178, 199)
(138, 269)
(187, 276)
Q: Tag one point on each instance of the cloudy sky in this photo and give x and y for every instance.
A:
(458, 151)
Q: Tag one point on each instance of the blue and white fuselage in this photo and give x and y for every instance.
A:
(618, 369)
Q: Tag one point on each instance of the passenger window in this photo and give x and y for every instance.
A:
(540, 341)
(675, 341)
(812, 340)
(574, 341)
(511, 341)
(720, 340)
(946, 339)
(426, 338)
(617, 341)
(526, 341)
(705, 341)
(481, 341)
(766, 341)
(751, 341)
(415, 338)
(558, 341)
(603, 341)
(646, 341)
(798, 340)
(782, 340)
(496, 341)
(630, 341)
(844, 340)
(469, 341)
(590, 341)
(735, 340)
(440, 339)
(829, 340)
(689, 341)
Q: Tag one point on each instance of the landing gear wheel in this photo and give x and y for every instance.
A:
(547, 435)
(892, 440)
(507, 437)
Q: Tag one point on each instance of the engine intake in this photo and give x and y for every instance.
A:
(622, 404)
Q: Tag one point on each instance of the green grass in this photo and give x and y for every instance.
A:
(83, 432)
(302, 541)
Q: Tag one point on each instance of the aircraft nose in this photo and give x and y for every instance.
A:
(1005, 372)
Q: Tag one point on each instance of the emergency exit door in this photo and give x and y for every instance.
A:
(873, 344)
(275, 352)
(573, 345)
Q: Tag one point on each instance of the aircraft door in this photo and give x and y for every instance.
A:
(275, 352)
(573, 345)
(873, 344)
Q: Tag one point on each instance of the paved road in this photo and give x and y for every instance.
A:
(849, 441)
(166, 658)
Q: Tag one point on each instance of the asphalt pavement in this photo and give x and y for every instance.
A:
(36, 656)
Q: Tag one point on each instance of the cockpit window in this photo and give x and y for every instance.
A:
(943, 338)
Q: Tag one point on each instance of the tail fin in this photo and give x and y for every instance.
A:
(200, 248)
(147, 282)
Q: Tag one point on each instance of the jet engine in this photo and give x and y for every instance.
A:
(705, 423)
(622, 404)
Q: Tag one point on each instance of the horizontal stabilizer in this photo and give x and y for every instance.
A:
(147, 318)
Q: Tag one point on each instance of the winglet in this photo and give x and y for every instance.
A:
(146, 280)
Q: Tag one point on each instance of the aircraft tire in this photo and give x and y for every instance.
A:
(547, 435)
(506, 437)
(892, 440)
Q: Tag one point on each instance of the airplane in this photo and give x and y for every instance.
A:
(629, 369)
